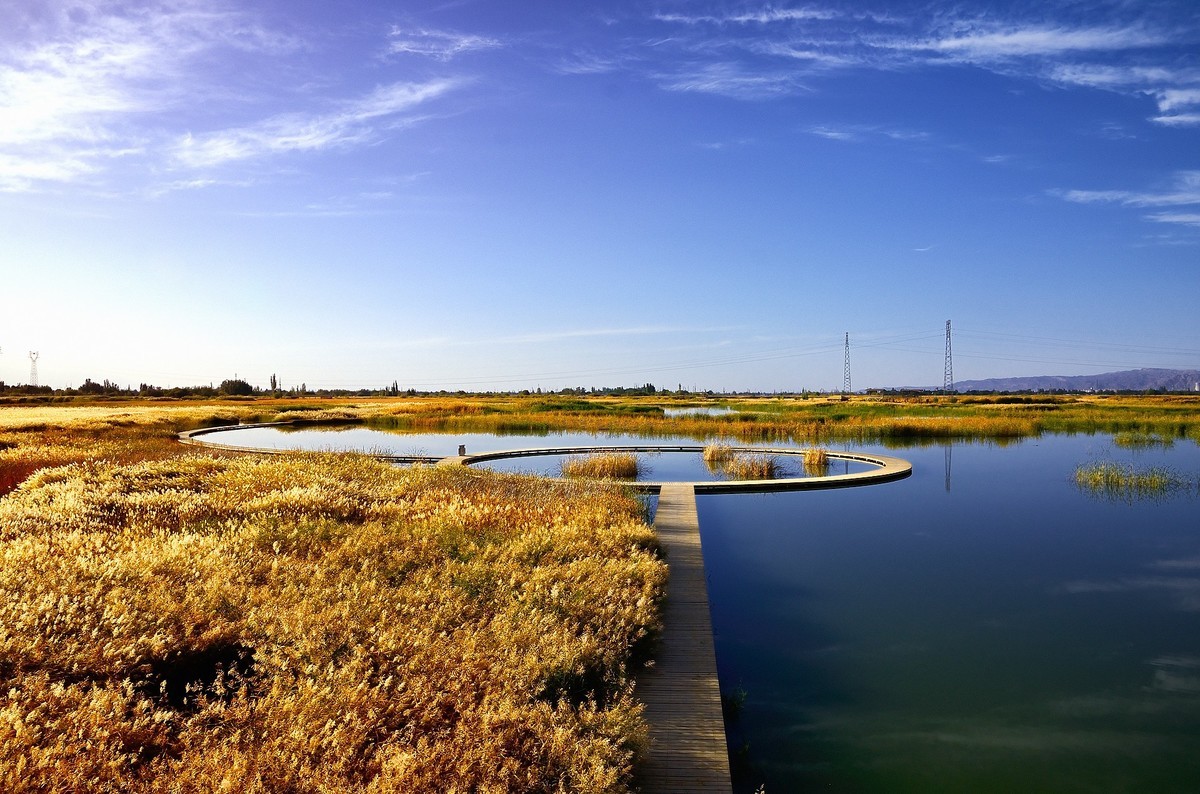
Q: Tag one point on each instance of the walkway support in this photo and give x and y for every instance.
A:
(681, 692)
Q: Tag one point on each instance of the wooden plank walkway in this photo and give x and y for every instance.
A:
(681, 693)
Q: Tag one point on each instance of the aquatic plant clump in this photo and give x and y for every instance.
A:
(603, 466)
(751, 466)
(1134, 439)
(319, 623)
(816, 461)
(1113, 479)
(717, 454)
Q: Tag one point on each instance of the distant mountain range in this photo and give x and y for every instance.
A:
(1129, 380)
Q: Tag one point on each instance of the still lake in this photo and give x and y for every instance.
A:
(982, 626)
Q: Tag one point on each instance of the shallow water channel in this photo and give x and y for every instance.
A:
(982, 626)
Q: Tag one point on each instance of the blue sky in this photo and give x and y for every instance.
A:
(542, 194)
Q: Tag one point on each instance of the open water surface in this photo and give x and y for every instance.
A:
(982, 627)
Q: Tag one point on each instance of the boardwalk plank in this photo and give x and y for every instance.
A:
(681, 692)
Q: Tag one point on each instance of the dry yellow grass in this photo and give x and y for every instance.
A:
(603, 466)
(750, 466)
(715, 455)
(816, 461)
(175, 621)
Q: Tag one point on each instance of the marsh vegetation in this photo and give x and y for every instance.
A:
(177, 621)
(603, 466)
(816, 461)
(737, 464)
(1129, 482)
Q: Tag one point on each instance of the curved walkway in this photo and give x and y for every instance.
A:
(889, 468)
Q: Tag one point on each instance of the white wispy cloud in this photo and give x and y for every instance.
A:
(1176, 90)
(833, 133)
(1183, 192)
(733, 80)
(580, 63)
(989, 43)
(440, 44)
(72, 97)
(1182, 218)
(355, 122)
(863, 132)
(1178, 120)
(764, 16)
(1121, 50)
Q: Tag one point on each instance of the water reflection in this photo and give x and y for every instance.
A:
(1010, 634)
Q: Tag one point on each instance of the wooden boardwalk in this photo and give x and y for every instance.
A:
(681, 693)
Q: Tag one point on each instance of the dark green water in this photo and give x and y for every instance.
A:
(1007, 634)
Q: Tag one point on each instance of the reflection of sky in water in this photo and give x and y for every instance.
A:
(664, 467)
(987, 628)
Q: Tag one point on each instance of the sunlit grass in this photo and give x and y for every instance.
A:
(716, 455)
(816, 461)
(603, 466)
(172, 620)
(750, 466)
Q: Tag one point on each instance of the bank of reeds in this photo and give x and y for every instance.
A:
(603, 466)
(177, 621)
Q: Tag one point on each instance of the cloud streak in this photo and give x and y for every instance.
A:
(76, 98)
(438, 44)
(989, 44)
(356, 122)
(1134, 56)
(1184, 192)
(115, 84)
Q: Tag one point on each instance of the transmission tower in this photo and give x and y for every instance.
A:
(33, 357)
(846, 377)
(948, 380)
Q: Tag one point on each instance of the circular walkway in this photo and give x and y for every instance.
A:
(888, 468)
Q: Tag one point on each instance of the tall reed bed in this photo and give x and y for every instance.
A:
(319, 623)
(717, 455)
(750, 466)
(603, 466)
(816, 461)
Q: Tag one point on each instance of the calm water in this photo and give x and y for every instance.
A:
(655, 467)
(1005, 634)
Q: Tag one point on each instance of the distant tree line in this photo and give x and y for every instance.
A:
(237, 387)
